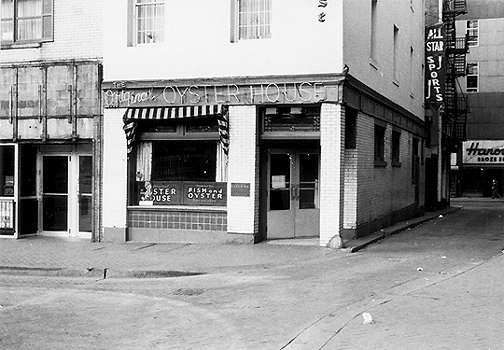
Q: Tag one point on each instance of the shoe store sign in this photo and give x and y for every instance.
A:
(483, 152)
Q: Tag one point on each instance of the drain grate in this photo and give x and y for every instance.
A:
(189, 291)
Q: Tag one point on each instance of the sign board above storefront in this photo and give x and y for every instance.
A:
(483, 152)
(123, 94)
(183, 193)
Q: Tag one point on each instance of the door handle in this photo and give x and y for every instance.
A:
(294, 192)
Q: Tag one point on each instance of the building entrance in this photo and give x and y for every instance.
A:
(293, 193)
(66, 195)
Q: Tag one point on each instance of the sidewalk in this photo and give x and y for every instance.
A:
(457, 310)
(79, 258)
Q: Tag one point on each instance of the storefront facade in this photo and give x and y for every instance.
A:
(246, 160)
(482, 163)
(47, 149)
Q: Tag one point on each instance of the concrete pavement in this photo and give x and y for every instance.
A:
(42, 255)
(432, 287)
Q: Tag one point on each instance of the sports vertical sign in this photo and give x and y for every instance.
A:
(435, 65)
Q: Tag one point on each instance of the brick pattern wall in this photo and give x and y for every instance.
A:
(177, 220)
(350, 194)
(77, 34)
(382, 190)
(332, 122)
(114, 170)
(243, 212)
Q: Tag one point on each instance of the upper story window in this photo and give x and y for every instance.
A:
(472, 77)
(149, 20)
(252, 19)
(26, 21)
(472, 31)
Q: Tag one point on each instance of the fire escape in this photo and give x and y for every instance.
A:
(456, 107)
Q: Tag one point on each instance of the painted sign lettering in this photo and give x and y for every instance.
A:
(322, 15)
(483, 152)
(435, 65)
(171, 95)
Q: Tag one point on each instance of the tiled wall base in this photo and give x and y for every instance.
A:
(183, 220)
(186, 236)
(181, 226)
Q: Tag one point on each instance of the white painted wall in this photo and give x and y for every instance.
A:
(407, 89)
(197, 42)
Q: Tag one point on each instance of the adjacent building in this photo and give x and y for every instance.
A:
(480, 160)
(50, 115)
(250, 120)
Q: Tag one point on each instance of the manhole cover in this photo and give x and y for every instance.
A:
(189, 291)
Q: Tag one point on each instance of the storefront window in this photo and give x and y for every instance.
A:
(180, 173)
(183, 161)
(7, 171)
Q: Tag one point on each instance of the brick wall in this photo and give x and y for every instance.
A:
(243, 167)
(350, 194)
(383, 190)
(331, 184)
(77, 34)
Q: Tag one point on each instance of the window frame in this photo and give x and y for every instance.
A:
(472, 32)
(46, 26)
(236, 22)
(473, 75)
(133, 31)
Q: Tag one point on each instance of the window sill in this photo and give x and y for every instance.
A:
(16, 46)
(379, 163)
(396, 164)
(178, 208)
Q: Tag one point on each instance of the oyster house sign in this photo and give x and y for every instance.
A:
(120, 95)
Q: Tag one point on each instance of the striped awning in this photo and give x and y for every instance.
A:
(134, 115)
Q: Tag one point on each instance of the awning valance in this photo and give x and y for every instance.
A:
(133, 115)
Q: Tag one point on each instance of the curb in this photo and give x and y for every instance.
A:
(361, 243)
(94, 273)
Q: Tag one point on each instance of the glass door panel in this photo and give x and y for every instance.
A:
(308, 180)
(7, 189)
(280, 182)
(28, 202)
(307, 218)
(55, 193)
(280, 218)
(85, 193)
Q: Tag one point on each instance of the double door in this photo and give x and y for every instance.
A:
(293, 193)
(66, 194)
(55, 194)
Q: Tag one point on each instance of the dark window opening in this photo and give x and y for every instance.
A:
(350, 128)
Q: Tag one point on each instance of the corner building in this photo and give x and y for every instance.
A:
(50, 115)
(252, 120)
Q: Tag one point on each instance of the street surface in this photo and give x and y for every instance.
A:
(435, 286)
